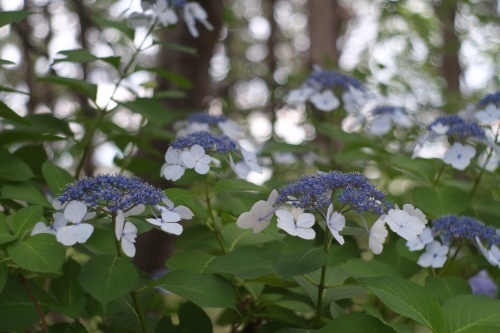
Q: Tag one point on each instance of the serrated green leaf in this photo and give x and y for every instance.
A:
(66, 288)
(55, 177)
(13, 168)
(448, 286)
(191, 319)
(25, 191)
(11, 116)
(192, 261)
(300, 262)
(152, 109)
(5, 234)
(107, 278)
(408, 299)
(39, 253)
(18, 311)
(472, 314)
(24, 220)
(356, 322)
(204, 290)
(8, 17)
(359, 268)
(246, 263)
(438, 201)
(225, 185)
(34, 156)
(88, 89)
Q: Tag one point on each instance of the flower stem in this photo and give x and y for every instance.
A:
(440, 172)
(43, 323)
(321, 285)
(133, 292)
(214, 227)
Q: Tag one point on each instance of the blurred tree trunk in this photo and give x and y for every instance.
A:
(451, 70)
(326, 19)
(154, 247)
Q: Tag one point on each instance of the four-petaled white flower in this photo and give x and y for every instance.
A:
(168, 222)
(404, 224)
(184, 212)
(299, 95)
(194, 12)
(325, 101)
(75, 212)
(197, 159)
(166, 15)
(59, 222)
(494, 256)
(414, 212)
(335, 222)
(378, 234)
(126, 233)
(302, 228)
(250, 159)
(174, 167)
(459, 156)
(259, 216)
(421, 241)
(434, 255)
(489, 114)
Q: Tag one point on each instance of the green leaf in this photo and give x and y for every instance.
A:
(472, 314)
(107, 278)
(5, 235)
(359, 268)
(39, 253)
(440, 200)
(8, 17)
(235, 237)
(127, 31)
(246, 263)
(16, 308)
(25, 192)
(55, 177)
(6, 62)
(177, 79)
(447, 287)
(34, 156)
(152, 109)
(356, 322)
(204, 290)
(12, 168)
(24, 220)
(11, 116)
(66, 288)
(408, 299)
(191, 319)
(22, 135)
(175, 46)
(190, 260)
(82, 56)
(48, 124)
(225, 185)
(300, 262)
(4, 275)
(74, 327)
(88, 89)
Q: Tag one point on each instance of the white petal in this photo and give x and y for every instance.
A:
(172, 228)
(188, 159)
(173, 172)
(272, 197)
(172, 156)
(129, 228)
(197, 151)
(337, 237)
(336, 222)
(58, 205)
(425, 259)
(305, 220)
(136, 210)
(201, 168)
(85, 230)
(285, 222)
(119, 223)
(184, 212)
(154, 221)
(42, 228)
(306, 233)
(378, 234)
(128, 247)
(75, 211)
(169, 216)
(246, 220)
(67, 235)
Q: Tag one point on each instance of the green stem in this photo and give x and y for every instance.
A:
(440, 172)
(310, 280)
(214, 227)
(103, 111)
(321, 285)
(132, 293)
(451, 259)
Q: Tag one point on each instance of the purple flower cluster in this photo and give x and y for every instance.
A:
(116, 192)
(459, 128)
(483, 284)
(353, 190)
(205, 118)
(493, 98)
(333, 79)
(454, 227)
(212, 143)
(387, 109)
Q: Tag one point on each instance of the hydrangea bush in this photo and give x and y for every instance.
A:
(308, 251)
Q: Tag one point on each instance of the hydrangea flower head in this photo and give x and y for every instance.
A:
(115, 192)
(384, 116)
(458, 128)
(205, 118)
(211, 143)
(454, 227)
(489, 109)
(353, 190)
(493, 98)
(330, 79)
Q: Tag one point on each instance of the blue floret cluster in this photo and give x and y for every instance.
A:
(333, 79)
(459, 128)
(212, 143)
(453, 227)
